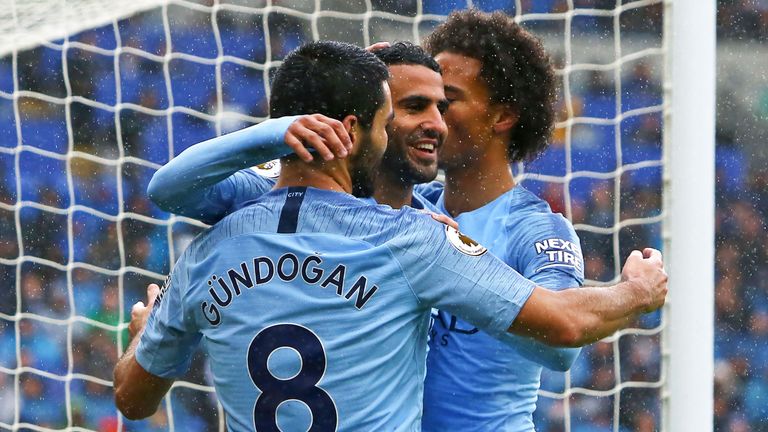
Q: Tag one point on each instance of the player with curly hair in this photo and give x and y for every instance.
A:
(501, 85)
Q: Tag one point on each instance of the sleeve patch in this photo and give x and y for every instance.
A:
(269, 169)
(559, 253)
(462, 243)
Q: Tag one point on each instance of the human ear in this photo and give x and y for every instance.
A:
(353, 128)
(505, 119)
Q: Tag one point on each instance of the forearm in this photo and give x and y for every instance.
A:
(137, 392)
(188, 177)
(600, 312)
(576, 317)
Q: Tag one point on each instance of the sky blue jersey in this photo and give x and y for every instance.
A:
(473, 382)
(313, 308)
(211, 179)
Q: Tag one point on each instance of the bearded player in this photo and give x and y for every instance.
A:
(379, 340)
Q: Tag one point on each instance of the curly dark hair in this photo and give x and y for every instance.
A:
(515, 67)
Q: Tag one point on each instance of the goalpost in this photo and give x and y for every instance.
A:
(690, 204)
(97, 94)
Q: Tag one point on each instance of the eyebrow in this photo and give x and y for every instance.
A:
(441, 103)
(414, 98)
(453, 89)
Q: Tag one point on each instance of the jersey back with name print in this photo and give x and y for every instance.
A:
(313, 308)
(465, 363)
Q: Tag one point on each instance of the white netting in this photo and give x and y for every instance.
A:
(28, 23)
(85, 120)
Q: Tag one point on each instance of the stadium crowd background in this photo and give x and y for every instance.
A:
(741, 379)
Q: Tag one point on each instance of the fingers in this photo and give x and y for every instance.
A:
(377, 46)
(340, 131)
(635, 254)
(298, 147)
(137, 309)
(652, 254)
(445, 219)
(325, 135)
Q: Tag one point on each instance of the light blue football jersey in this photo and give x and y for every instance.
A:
(313, 309)
(475, 383)
(207, 181)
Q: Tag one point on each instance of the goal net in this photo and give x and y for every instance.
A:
(95, 95)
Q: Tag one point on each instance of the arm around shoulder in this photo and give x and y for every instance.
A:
(189, 176)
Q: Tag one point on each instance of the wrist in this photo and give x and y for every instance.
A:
(639, 295)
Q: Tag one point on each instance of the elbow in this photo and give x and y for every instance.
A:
(130, 406)
(156, 190)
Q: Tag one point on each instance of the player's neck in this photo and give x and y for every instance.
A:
(477, 183)
(393, 192)
(325, 175)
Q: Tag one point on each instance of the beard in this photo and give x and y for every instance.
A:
(399, 165)
(364, 168)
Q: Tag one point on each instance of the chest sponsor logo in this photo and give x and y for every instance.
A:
(559, 253)
(462, 243)
(269, 169)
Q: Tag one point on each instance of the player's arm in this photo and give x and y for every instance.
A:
(164, 339)
(451, 272)
(138, 393)
(197, 182)
(579, 316)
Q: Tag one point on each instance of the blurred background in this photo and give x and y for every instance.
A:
(83, 129)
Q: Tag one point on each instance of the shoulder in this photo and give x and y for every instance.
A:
(535, 219)
(541, 242)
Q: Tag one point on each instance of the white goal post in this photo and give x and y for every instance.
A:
(690, 206)
(585, 42)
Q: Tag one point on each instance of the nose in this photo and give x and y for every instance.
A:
(434, 121)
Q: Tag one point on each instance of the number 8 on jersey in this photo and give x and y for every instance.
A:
(301, 387)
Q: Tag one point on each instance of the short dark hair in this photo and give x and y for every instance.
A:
(515, 67)
(406, 53)
(335, 79)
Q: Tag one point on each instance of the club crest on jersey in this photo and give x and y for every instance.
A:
(462, 243)
(269, 169)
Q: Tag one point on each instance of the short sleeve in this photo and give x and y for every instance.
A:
(170, 337)
(450, 271)
(551, 253)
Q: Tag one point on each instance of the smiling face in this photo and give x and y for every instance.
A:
(418, 130)
(471, 115)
